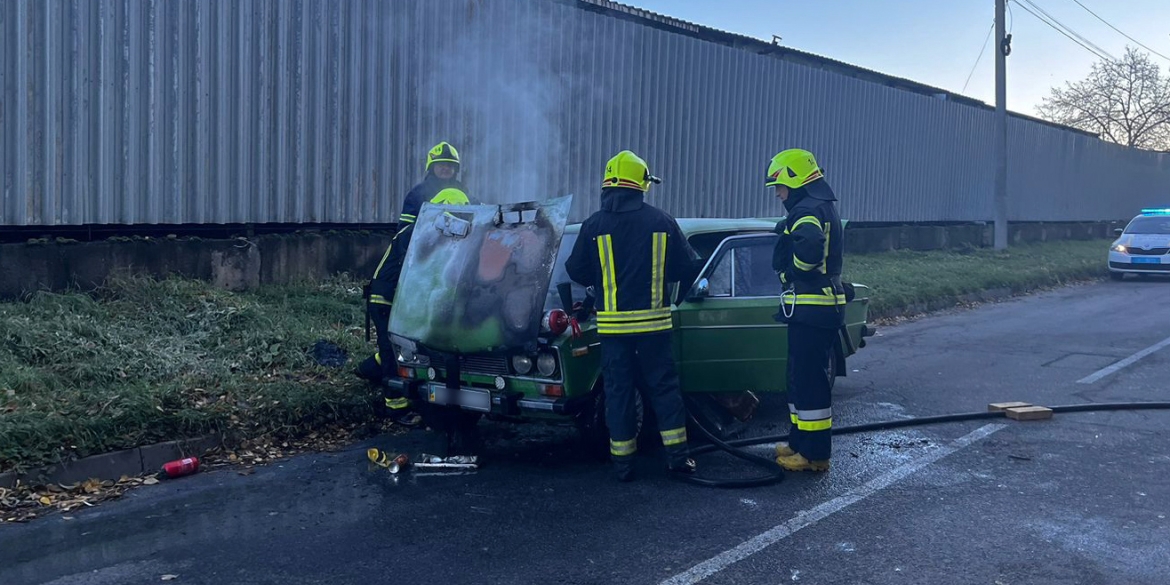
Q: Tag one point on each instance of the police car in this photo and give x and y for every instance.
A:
(1143, 247)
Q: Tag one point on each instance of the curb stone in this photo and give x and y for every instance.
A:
(112, 466)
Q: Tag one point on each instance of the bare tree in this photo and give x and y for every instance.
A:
(1125, 101)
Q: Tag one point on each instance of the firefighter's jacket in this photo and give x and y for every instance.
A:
(385, 281)
(631, 252)
(808, 258)
(421, 193)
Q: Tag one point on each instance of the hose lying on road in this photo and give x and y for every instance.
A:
(775, 473)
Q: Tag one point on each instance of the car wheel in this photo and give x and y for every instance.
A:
(591, 428)
(1117, 275)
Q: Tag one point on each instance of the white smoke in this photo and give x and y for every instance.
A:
(503, 78)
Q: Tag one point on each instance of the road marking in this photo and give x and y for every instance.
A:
(809, 517)
(1123, 363)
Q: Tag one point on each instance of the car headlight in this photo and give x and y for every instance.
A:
(1120, 248)
(521, 364)
(546, 364)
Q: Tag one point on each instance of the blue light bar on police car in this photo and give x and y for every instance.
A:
(1157, 211)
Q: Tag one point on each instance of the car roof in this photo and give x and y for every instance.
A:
(704, 225)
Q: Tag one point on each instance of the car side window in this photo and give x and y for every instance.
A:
(743, 268)
(719, 280)
(754, 276)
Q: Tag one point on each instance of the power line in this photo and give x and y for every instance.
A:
(979, 58)
(1061, 31)
(1119, 31)
(1052, 21)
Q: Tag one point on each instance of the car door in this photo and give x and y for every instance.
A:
(726, 337)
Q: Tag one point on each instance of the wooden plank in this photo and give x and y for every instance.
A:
(1029, 413)
(998, 406)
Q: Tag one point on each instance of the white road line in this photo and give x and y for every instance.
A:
(809, 517)
(1123, 363)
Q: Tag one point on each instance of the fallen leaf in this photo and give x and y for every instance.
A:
(150, 481)
(45, 500)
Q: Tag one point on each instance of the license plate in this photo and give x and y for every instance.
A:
(1147, 260)
(469, 398)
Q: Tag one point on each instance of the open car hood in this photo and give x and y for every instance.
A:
(476, 276)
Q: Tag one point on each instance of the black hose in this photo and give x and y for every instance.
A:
(776, 473)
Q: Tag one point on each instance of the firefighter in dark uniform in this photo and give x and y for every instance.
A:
(383, 286)
(442, 170)
(630, 252)
(808, 259)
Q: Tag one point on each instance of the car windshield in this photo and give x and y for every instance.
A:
(1152, 224)
(559, 275)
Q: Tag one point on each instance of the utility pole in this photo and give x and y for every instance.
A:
(1002, 48)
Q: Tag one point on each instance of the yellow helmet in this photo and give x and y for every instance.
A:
(793, 168)
(450, 196)
(442, 152)
(628, 170)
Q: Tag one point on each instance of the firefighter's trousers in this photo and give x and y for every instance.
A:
(383, 364)
(624, 360)
(809, 400)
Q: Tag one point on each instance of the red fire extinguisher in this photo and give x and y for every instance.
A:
(180, 467)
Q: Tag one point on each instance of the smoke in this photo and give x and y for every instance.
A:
(502, 83)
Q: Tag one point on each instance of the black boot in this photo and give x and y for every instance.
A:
(623, 468)
(686, 466)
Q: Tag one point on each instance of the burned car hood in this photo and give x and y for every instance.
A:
(476, 276)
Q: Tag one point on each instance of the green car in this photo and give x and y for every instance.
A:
(726, 343)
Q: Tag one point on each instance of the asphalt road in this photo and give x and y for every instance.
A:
(1082, 498)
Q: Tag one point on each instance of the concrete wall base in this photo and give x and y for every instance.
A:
(245, 263)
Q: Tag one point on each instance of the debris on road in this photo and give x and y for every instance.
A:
(433, 463)
(24, 502)
(453, 462)
(393, 463)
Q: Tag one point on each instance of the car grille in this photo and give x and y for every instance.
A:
(1149, 267)
(493, 365)
(1150, 252)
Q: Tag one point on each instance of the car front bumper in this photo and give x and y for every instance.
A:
(481, 399)
(1138, 264)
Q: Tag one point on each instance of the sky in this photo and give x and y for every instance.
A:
(937, 42)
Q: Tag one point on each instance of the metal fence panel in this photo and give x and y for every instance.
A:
(308, 111)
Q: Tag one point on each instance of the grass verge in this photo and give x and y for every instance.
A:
(906, 282)
(143, 361)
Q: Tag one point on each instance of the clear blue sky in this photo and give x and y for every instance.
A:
(937, 41)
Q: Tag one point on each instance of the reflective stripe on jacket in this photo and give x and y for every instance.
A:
(631, 252)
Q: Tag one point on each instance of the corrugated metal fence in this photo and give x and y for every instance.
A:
(256, 111)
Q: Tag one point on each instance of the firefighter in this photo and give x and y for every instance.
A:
(442, 169)
(808, 259)
(630, 251)
(384, 364)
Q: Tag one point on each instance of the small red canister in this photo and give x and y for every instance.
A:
(180, 467)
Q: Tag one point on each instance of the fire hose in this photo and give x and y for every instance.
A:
(775, 474)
